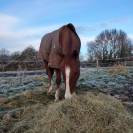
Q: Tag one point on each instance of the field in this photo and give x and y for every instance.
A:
(25, 105)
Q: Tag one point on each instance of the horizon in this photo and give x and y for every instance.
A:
(23, 23)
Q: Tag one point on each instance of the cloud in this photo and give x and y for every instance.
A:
(121, 20)
(101, 25)
(85, 39)
(14, 38)
(131, 37)
(7, 22)
(82, 29)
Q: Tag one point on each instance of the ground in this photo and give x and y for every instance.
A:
(20, 93)
(119, 85)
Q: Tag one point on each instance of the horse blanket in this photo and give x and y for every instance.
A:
(50, 49)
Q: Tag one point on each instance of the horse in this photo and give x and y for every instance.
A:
(59, 51)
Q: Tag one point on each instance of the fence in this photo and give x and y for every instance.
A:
(126, 61)
(38, 64)
(21, 65)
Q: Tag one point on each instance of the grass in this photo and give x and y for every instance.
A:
(118, 69)
(85, 113)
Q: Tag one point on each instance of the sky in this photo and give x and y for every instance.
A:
(24, 22)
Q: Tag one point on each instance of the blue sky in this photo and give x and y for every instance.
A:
(23, 23)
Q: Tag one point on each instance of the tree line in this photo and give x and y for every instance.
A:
(26, 60)
(110, 45)
(28, 54)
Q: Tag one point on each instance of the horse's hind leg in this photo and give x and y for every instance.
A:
(58, 82)
(50, 72)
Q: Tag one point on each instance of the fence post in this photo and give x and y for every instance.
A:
(125, 63)
(3, 68)
(19, 74)
(97, 64)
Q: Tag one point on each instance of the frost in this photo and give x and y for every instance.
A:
(89, 79)
(12, 85)
(102, 80)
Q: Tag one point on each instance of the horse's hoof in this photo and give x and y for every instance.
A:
(56, 100)
(68, 96)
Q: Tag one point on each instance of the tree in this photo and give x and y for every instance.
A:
(4, 55)
(28, 54)
(81, 57)
(110, 44)
(15, 55)
(91, 49)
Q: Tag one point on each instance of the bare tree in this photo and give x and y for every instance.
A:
(81, 57)
(4, 55)
(110, 44)
(92, 51)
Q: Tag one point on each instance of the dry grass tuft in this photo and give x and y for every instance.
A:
(118, 69)
(28, 98)
(82, 114)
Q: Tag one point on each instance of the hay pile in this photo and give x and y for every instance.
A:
(86, 113)
(18, 111)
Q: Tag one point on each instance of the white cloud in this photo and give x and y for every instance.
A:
(102, 25)
(85, 39)
(131, 36)
(7, 22)
(14, 38)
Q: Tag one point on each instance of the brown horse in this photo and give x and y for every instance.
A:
(60, 53)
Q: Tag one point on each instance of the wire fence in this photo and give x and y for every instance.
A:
(15, 65)
(21, 65)
(126, 61)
